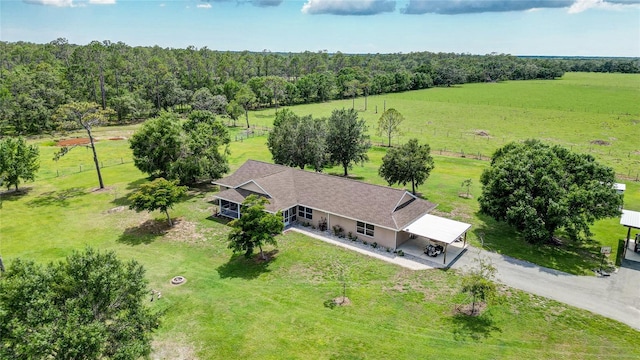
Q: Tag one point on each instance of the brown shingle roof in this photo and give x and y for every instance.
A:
(379, 205)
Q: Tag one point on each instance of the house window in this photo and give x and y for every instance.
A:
(305, 212)
(364, 228)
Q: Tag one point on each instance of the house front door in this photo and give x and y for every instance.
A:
(285, 215)
(289, 216)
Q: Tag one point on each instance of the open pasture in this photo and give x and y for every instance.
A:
(590, 113)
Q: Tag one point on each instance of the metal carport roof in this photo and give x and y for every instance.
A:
(437, 228)
(630, 219)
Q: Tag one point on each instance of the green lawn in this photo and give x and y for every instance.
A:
(233, 308)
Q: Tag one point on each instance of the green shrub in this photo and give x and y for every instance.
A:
(374, 245)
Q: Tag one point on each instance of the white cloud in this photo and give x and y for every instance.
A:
(56, 3)
(348, 7)
(583, 5)
(102, 2)
(204, 6)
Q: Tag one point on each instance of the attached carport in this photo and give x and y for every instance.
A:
(439, 229)
(631, 220)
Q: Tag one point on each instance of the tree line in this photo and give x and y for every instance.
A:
(140, 82)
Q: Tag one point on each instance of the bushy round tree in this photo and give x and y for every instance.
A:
(91, 306)
(539, 188)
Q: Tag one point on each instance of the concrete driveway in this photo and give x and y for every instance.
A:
(616, 297)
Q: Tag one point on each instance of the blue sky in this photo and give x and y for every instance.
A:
(518, 27)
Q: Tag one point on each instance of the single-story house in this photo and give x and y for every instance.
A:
(374, 213)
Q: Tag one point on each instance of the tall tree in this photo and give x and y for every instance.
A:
(347, 139)
(160, 194)
(538, 189)
(203, 151)
(352, 88)
(298, 141)
(276, 86)
(389, 123)
(156, 145)
(410, 162)
(18, 161)
(202, 100)
(234, 110)
(196, 150)
(84, 115)
(92, 306)
(246, 98)
(255, 227)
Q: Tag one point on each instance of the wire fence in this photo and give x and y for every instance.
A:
(465, 151)
(254, 131)
(80, 168)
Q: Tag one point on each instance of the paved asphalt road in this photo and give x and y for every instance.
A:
(616, 296)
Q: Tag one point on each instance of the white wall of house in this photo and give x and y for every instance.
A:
(403, 237)
(383, 236)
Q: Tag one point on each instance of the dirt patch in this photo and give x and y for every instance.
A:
(118, 138)
(184, 231)
(74, 141)
(483, 133)
(174, 350)
(104, 189)
(116, 210)
(600, 142)
(342, 301)
(469, 310)
(465, 195)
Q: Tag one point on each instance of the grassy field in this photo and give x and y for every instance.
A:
(234, 308)
(579, 111)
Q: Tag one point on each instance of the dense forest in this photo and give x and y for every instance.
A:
(138, 82)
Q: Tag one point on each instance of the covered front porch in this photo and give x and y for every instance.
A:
(431, 229)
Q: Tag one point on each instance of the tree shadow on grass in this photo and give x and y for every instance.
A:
(144, 233)
(219, 219)
(134, 185)
(240, 267)
(571, 256)
(13, 195)
(350, 176)
(57, 198)
(476, 328)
